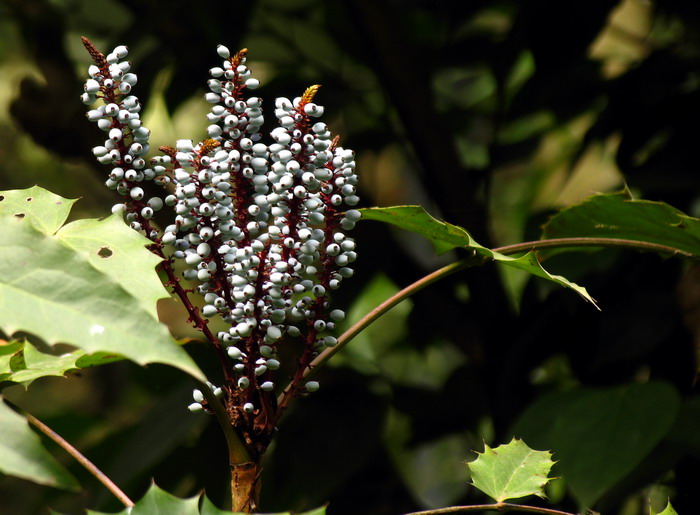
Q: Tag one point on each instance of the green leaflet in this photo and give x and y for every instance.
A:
(22, 362)
(511, 471)
(668, 510)
(159, 502)
(445, 236)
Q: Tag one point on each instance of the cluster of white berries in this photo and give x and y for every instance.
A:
(127, 139)
(259, 227)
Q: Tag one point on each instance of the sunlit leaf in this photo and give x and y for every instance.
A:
(511, 471)
(445, 236)
(53, 291)
(44, 210)
(118, 251)
(23, 455)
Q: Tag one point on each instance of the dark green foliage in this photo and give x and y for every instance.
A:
(483, 112)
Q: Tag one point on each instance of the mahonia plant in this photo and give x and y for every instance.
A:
(259, 227)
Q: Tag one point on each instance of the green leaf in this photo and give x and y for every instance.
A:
(617, 216)
(511, 471)
(159, 502)
(445, 236)
(23, 455)
(27, 363)
(668, 510)
(121, 256)
(442, 235)
(53, 291)
(601, 436)
(208, 508)
(44, 210)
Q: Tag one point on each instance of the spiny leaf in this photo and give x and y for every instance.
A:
(23, 455)
(445, 236)
(159, 502)
(511, 471)
(668, 510)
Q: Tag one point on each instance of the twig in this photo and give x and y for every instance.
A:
(500, 506)
(370, 317)
(585, 241)
(77, 455)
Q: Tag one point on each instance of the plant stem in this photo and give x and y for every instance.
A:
(592, 242)
(245, 471)
(237, 451)
(373, 315)
(500, 506)
(78, 456)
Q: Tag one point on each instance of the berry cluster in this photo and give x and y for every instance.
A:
(260, 227)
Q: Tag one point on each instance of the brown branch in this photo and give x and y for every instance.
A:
(77, 456)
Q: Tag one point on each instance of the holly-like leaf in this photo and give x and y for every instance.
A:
(668, 510)
(23, 455)
(159, 502)
(511, 471)
(53, 290)
(445, 236)
(617, 216)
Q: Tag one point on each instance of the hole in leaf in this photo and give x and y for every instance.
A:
(20, 215)
(105, 252)
(29, 199)
(2, 197)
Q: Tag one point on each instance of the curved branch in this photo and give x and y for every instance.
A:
(77, 456)
(585, 241)
(501, 506)
(373, 315)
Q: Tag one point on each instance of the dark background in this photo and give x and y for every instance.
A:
(491, 114)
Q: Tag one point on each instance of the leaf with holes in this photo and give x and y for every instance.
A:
(121, 256)
(44, 210)
(53, 290)
(511, 471)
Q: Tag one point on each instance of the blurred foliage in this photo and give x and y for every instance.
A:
(490, 114)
